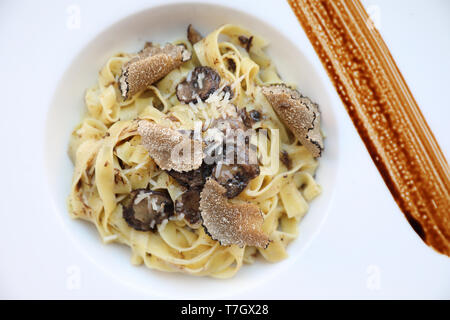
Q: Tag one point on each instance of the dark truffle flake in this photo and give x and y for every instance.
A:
(239, 162)
(188, 205)
(193, 35)
(249, 118)
(145, 209)
(194, 178)
(235, 177)
(201, 83)
(227, 89)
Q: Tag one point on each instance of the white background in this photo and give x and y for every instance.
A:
(366, 248)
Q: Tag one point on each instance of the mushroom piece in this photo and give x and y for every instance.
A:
(147, 209)
(235, 177)
(150, 65)
(227, 89)
(299, 113)
(188, 206)
(170, 149)
(249, 118)
(231, 223)
(192, 179)
(237, 163)
(200, 82)
(228, 125)
(193, 35)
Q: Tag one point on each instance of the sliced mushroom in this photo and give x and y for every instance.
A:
(192, 179)
(193, 35)
(235, 177)
(237, 160)
(188, 206)
(150, 65)
(229, 123)
(249, 118)
(299, 113)
(200, 83)
(231, 223)
(147, 209)
(170, 149)
(227, 89)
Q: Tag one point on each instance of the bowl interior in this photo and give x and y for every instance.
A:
(162, 24)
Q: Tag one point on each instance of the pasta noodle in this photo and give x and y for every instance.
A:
(110, 162)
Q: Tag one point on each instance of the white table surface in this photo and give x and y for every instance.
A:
(366, 249)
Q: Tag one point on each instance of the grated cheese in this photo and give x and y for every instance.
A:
(163, 224)
(200, 78)
(218, 169)
(110, 238)
(155, 206)
(141, 196)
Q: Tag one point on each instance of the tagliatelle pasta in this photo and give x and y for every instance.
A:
(111, 161)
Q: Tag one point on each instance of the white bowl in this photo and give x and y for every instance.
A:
(161, 24)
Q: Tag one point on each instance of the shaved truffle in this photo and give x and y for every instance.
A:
(188, 206)
(229, 123)
(227, 89)
(150, 65)
(170, 149)
(193, 35)
(231, 223)
(235, 177)
(192, 179)
(249, 118)
(201, 83)
(299, 113)
(146, 209)
(239, 159)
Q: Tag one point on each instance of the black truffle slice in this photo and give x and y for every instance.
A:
(299, 113)
(146, 209)
(227, 124)
(235, 177)
(249, 118)
(201, 83)
(227, 89)
(231, 223)
(238, 164)
(194, 178)
(188, 206)
(193, 35)
(150, 65)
